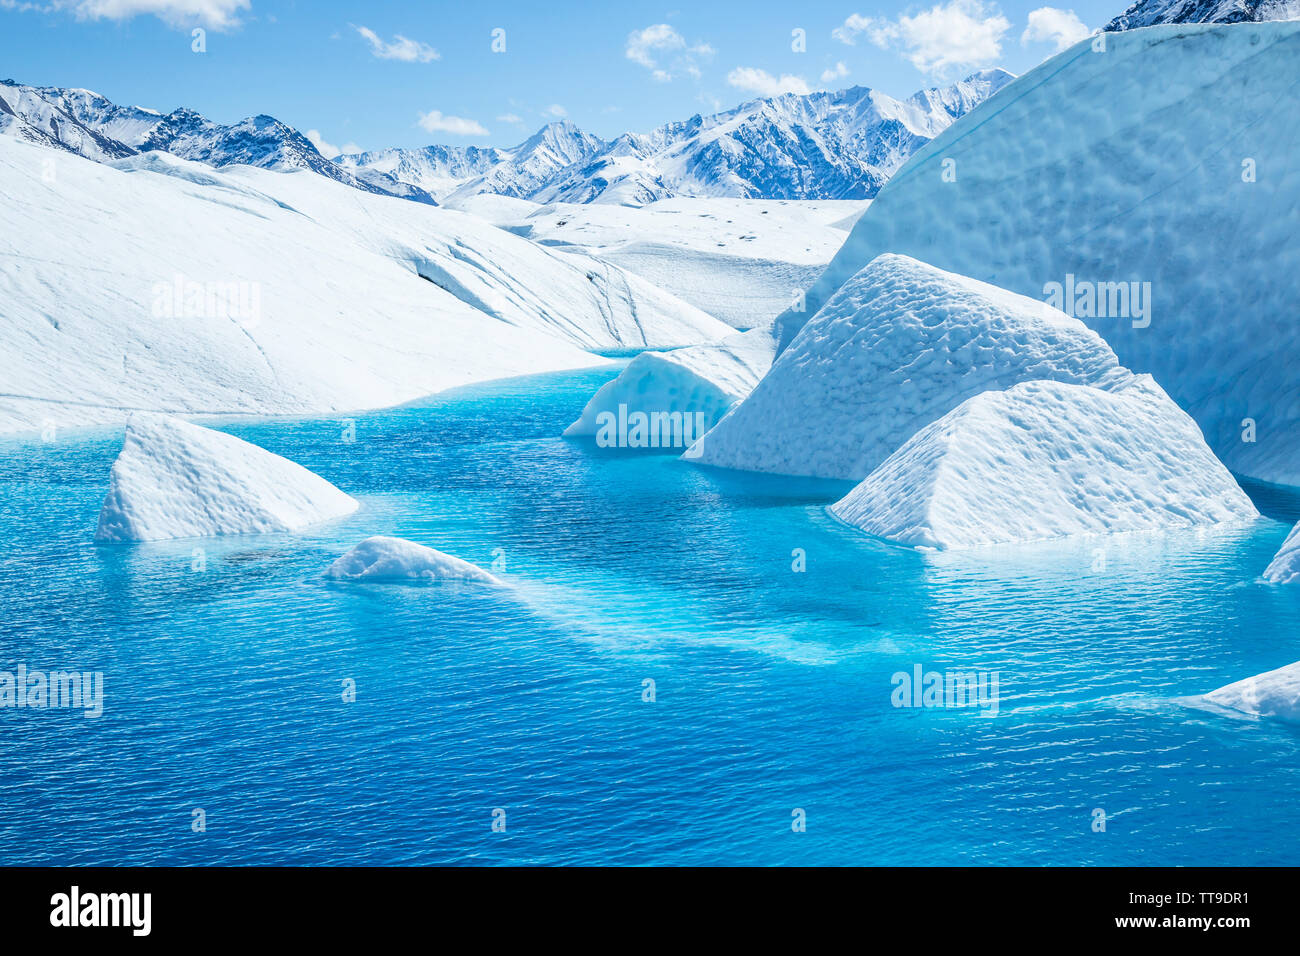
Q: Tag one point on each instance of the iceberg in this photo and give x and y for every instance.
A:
(1271, 694)
(897, 346)
(1046, 460)
(383, 559)
(173, 479)
(1154, 160)
(1285, 566)
(702, 381)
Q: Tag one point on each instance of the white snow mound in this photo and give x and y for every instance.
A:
(1271, 694)
(896, 347)
(1285, 566)
(173, 479)
(1046, 460)
(702, 380)
(1165, 160)
(395, 559)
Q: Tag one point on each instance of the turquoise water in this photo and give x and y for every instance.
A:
(772, 686)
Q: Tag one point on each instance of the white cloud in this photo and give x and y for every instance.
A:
(765, 84)
(651, 46)
(643, 45)
(849, 30)
(510, 118)
(328, 150)
(958, 35)
(212, 14)
(399, 48)
(435, 122)
(838, 72)
(1050, 25)
(556, 110)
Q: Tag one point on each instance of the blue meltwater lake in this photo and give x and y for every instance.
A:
(224, 670)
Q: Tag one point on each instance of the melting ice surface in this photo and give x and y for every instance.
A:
(224, 685)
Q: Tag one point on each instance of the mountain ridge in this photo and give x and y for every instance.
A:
(822, 145)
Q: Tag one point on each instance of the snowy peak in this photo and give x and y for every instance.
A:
(43, 116)
(92, 126)
(1146, 13)
(822, 145)
(519, 171)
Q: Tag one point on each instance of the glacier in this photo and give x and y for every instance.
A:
(741, 260)
(1161, 156)
(384, 559)
(700, 380)
(174, 479)
(1285, 566)
(1274, 693)
(1046, 460)
(156, 283)
(896, 347)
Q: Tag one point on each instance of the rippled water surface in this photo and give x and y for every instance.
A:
(772, 686)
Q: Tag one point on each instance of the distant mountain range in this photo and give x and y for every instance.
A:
(821, 145)
(1147, 13)
(92, 126)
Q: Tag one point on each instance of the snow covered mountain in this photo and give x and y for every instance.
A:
(520, 171)
(1146, 13)
(821, 145)
(92, 126)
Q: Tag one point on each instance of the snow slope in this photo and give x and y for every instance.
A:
(1128, 165)
(1285, 566)
(298, 295)
(705, 379)
(1047, 460)
(1271, 694)
(741, 260)
(898, 346)
(589, 302)
(177, 480)
(381, 559)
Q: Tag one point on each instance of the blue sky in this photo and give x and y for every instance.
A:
(407, 74)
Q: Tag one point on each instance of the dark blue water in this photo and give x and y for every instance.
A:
(224, 686)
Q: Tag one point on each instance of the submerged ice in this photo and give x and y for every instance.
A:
(385, 559)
